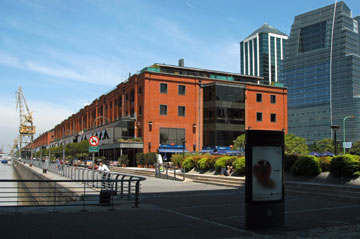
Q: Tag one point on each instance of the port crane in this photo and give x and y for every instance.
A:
(27, 128)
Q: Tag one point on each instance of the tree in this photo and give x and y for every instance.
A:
(322, 146)
(295, 145)
(355, 149)
(76, 149)
(239, 142)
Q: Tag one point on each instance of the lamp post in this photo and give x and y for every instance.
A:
(347, 117)
(63, 158)
(183, 143)
(334, 128)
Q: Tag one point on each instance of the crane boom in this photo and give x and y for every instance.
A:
(27, 128)
(26, 120)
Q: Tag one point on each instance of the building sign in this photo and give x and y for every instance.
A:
(347, 145)
(266, 173)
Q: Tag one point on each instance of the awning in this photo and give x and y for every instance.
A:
(226, 152)
(172, 150)
(205, 151)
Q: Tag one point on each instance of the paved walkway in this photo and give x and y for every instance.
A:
(172, 209)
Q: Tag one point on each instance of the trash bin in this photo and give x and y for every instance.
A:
(105, 196)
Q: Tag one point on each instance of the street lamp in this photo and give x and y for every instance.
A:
(334, 128)
(347, 117)
(183, 143)
(63, 158)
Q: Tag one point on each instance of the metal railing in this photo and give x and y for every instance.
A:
(169, 172)
(83, 188)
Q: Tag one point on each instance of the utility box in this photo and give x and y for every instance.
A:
(264, 183)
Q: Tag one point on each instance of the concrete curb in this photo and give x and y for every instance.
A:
(335, 191)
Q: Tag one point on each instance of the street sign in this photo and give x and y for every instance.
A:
(94, 149)
(94, 141)
(347, 145)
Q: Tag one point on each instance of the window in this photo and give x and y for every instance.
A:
(258, 116)
(258, 97)
(273, 118)
(273, 99)
(163, 109)
(163, 88)
(181, 110)
(140, 110)
(312, 37)
(172, 136)
(181, 90)
(140, 90)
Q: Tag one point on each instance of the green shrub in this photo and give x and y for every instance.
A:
(123, 159)
(306, 166)
(188, 164)
(177, 159)
(239, 165)
(223, 162)
(203, 164)
(345, 166)
(325, 163)
(140, 158)
(211, 161)
(150, 158)
(289, 160)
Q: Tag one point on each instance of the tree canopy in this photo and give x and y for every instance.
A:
(355, 149)
(72, 150)
(239, 142)
(322, 146)
(295, 145)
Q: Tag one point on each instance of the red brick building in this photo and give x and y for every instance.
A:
(164, 105)
(44, 139)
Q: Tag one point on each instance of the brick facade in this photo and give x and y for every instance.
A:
(139, 98)
(44, 139)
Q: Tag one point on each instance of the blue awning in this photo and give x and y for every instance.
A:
(162, 150)
(227, 152)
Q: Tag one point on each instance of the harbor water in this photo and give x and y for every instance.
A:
(8, 190)
(12, 193)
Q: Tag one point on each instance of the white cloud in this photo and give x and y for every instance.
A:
(56, 71)
(190, 5)
(172, 31)
(70, 66)
(45, 115)
(8, 60)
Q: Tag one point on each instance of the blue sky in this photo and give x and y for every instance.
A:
(66, 53)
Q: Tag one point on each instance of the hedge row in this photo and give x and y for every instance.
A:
(207, 162)
(342, 166)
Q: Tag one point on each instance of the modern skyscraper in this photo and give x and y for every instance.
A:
(322, 72)
(262, 53)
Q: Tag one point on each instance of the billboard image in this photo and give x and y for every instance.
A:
(267, 173)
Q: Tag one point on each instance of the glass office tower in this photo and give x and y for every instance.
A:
(322, 72)
(262, 54)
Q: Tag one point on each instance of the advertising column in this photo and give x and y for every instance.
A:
(264, 184)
